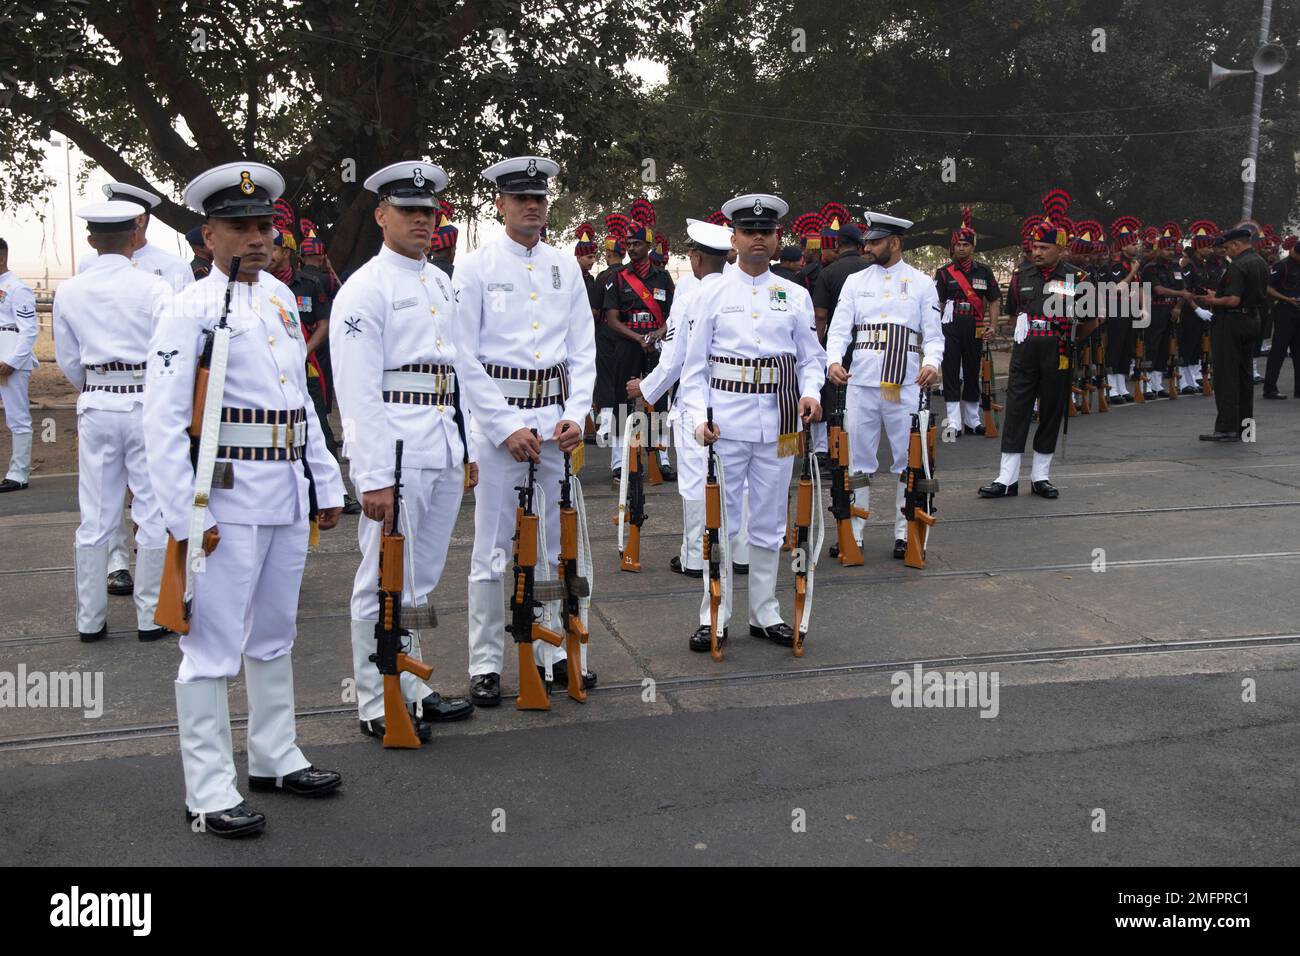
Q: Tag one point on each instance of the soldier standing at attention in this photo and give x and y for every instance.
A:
(969, 297)
(17, 338)
(258, 524)
(533, 374)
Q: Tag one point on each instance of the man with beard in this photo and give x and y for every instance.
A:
(969, 296)
(1041, 297)
(636, 307)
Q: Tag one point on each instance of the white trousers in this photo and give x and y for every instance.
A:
(245, 599)
(430, 502)
(865, 414)
(110, 459)
(18, 417)
(119, 555)
(495, 502)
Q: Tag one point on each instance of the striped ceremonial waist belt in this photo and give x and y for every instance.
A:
(420, 384)
(640, 322)
(1042, 326)
(770, 375)
(117, 378)
(531, 387)
(877, 337)
(256, 434)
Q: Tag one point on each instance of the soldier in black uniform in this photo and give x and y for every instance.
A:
(808, 228)
(1202, 273)
(1041, 297)
(973, 291)
(831, 278)
(604, 397)
(201, 264)
(442, 244)
(787, 264)
(636, 306)
(1233, 331)
(1284, 291)
(1122, 271)
(585, 253)
(1168, 293)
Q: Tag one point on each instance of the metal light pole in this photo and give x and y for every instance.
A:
(1268, 59)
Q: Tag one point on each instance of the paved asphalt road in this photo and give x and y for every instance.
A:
(1115, 740)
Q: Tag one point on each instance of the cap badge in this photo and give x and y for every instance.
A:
(758, 207)
(245, 183)
(417, 177)
(532, 167)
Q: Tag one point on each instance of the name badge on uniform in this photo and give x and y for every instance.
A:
(1178, 275)
(776, 299)
(555, 277)
(403, 304)
(979, 284)
(661, 295)
(501, 287)
(732, 308)
(304, 303)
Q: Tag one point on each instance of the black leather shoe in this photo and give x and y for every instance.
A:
(1046, 489)
(97, 636)
(700, 641)
(1149, 396)
(376, 728)
(1275, 396)
(156, 634)
(307, 782)
(782, 633)
(615, 477)
(1189, 390)
(351, 506)
(667, 472)
(1162, 393)
(967, 430)
(10, 485)
(240, 821)
(120, 583)
(739, 568)
(485, 690)
(1258, 380)
(1221, 436)
(979, 430)
(442, 710)
(676, 565)
(900, 548)
(560, 671)
(996, 489)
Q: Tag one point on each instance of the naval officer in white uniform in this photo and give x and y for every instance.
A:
(17, 339)
(103, 321)
(890, 314)
(245, 606)
(754, 357)
(526, 359)
(392, 347)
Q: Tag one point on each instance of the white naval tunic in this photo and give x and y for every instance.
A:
(392, 312)
(153, 259)
(525, 308)
(101, 316)
(745, 316)
(898, 295)
(246, 598)
(17, 339)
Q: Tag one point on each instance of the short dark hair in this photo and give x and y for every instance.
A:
(115, 243)
(4, 248)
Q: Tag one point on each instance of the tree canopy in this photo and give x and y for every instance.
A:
(917, 107)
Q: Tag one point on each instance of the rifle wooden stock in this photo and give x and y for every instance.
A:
(712, 546)
(1139, 362)
(575, 632)
(1207, 384)
(987, 405)
(847, 551)
(1172, 374)
(919, 494)
(630, 559)
(803, 527)
(170, 612)
(1103, 384)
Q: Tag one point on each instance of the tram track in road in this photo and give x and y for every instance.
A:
(975, 519)
(968, 662)
(848, 579)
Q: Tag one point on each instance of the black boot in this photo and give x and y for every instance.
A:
(781, 633)
(996, 489)
(485, 690)
(701, 642)
(307, 782)
(240, 821)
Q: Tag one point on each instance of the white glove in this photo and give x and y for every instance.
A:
(1205, 314)
(947, 313)
(1022, 327)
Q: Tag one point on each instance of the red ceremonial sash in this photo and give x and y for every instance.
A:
(646, 296)
(975, 301)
